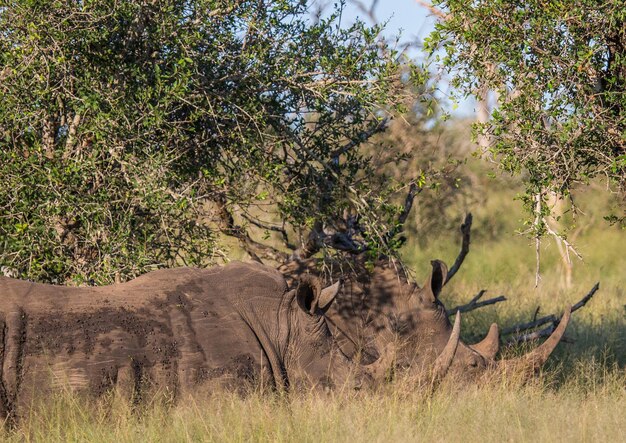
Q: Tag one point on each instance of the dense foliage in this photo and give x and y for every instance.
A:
(133, 133)
(559, 69)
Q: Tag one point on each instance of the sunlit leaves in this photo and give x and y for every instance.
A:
(123, 123)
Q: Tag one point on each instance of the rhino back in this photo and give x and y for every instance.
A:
(170, 329)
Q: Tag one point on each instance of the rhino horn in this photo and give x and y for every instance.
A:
(444, 360)
(490, 345)
(532, 361)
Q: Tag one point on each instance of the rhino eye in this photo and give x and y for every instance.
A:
(474, 362)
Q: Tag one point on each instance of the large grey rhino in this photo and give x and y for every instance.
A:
(176, 330)
(170, 329)
(378, 306)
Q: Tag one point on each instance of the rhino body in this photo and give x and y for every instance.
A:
(173, 330)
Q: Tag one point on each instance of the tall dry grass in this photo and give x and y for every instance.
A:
(572, 411)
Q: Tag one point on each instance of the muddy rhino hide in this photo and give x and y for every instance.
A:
(173, 331)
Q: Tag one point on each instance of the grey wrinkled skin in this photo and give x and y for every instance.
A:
(174, 330)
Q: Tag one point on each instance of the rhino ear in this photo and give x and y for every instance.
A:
(435, 282)
(311, 297)
(306, 293)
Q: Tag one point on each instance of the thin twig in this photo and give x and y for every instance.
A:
(465, 230)
(559, 237)
(537, 240)
(475, 304)
(550, 318)
(361, 138)
(536, 335)
(267, 227)
(255, 249)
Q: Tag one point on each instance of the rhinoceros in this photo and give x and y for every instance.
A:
(378, 306)
(174, 330)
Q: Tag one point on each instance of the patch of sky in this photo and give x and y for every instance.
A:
(407, 19)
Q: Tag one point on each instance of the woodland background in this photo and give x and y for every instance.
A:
(139, 135)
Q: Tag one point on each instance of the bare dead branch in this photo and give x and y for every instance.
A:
(536, 335)
(279, 229)
(361, 138)
(465, 231)
(549, 318)
(477, 296)
(475, 304)
(530, 325)
(255, 249)
(531, 336)
(586, 298)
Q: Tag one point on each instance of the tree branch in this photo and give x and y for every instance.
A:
(536, 335)
(278, 229)
(465, 230)
(550, 318)
(71, 136)
(531, 336)
(583, 301)
(408, 205)
(255, 249)
(475, 304)
(530, 325)
(361, 138)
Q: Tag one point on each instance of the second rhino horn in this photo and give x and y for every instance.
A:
(489, 346)
(444, 360)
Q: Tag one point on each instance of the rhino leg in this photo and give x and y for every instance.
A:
(191, 358)
(5, 407)
(12, 335)
(126, 382)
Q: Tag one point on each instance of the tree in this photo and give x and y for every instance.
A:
(133, 135)
(560, 71)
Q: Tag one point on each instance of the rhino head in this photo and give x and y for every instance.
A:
(422, 333)
(380, 318)
(380, 310)
(312, 348)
